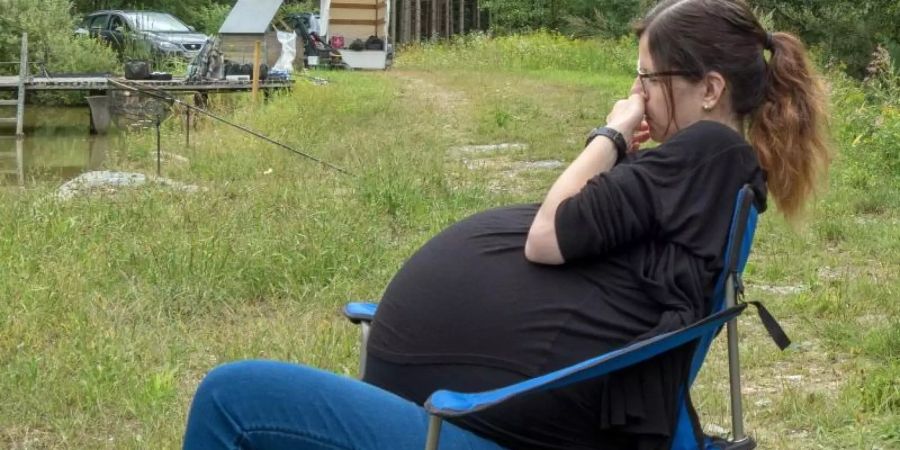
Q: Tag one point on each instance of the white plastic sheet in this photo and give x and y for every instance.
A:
(285, 63)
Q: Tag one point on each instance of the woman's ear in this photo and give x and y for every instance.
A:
(715, 89)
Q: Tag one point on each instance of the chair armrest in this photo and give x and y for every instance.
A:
(454, 404)
(360, 312)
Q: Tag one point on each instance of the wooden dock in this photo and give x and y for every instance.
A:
(97, 88)
(98, 84)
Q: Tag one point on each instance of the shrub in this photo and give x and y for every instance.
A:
(210, 18)
(846, 30)
(50, 27)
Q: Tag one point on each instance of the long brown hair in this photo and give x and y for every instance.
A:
(781, 102)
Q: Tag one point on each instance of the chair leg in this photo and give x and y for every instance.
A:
(363, 341)
(434, 433)
(734, 366)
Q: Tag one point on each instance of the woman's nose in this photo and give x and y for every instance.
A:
(638, 88)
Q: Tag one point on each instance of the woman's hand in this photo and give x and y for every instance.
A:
(641, 135)
(627, 115)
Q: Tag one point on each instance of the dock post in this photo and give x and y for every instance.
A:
(158, 147)
(23, 78)
(99, 113)
(187, 128)
(256, 56)
(20, 161)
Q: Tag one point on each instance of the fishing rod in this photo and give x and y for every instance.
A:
(163, 95)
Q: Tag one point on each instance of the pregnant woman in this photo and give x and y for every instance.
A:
(626, 245)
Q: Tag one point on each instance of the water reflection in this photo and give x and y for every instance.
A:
(57, 146)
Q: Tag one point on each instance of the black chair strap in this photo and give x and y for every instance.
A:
(776, 332)
(772, 326)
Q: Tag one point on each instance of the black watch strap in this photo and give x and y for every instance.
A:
(613, 135)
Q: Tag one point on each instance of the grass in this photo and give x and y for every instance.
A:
(115, 305)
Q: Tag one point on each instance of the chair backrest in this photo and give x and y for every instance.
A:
(737, 251)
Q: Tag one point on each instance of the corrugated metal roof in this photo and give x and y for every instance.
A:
(250, 17)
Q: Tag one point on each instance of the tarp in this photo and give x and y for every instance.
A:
(324, 16)
(250, 17)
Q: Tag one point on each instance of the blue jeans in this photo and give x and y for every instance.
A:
(279, 406)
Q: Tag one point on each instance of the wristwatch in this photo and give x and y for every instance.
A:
(613, 135)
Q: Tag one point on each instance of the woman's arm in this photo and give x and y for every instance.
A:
(599, 156)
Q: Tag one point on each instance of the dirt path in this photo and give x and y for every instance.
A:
(446, 100)
(498, 164)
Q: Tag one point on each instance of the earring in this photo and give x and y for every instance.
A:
(707, 108)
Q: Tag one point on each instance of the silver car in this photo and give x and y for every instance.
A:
(159, 32)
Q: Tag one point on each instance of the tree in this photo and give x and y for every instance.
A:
(405, 22)
(847, 31)
(418, 20)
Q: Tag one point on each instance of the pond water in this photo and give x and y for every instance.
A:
(57, 146)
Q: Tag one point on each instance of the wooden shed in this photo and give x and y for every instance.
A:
(358, 19)
(248, 22)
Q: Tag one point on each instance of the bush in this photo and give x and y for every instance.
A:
(867, 125)
(210, 18)
(50, 27)
(847, 31)
(607, 18)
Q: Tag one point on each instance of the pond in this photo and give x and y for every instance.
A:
(57, 146)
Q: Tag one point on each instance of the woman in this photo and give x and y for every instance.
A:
(625, 246)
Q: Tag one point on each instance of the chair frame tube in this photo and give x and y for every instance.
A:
(734, 364)
(434, 432)
(363, 341)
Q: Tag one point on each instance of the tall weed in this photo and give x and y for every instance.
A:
(543, 50)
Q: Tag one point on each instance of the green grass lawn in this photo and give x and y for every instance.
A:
(113, 306)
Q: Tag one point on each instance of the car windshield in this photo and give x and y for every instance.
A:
(149, 21)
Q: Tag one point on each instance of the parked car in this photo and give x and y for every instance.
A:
(160, 33)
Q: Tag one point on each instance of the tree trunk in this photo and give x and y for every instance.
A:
(406, 21)
(477, 13)
(446, 10)
(418, 21)
(462, 16)
(393, 28)
(434, 20)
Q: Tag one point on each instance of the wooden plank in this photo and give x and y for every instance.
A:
(9, 102)
(379, 5)
(8, 120)
(7, 81)
(357, 22)
(100, 84)
(257, 49)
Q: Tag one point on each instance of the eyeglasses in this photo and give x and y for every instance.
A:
(666, 73)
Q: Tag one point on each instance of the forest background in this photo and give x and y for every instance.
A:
(843, 32)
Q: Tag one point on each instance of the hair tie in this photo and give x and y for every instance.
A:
(770, 44)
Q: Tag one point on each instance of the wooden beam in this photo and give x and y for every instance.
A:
(376, 6)
(356, 22)
(254, 89)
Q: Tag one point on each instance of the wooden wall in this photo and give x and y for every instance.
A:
(239, 47)
(357, 19)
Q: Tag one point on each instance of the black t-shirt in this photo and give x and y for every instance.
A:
(642, 242)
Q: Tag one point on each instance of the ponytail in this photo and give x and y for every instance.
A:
(788, 128)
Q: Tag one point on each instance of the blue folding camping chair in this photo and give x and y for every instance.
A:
(727, 304)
